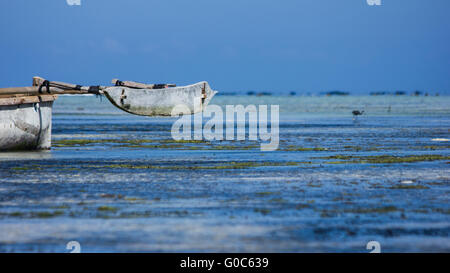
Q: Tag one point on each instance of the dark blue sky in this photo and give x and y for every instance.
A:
(303, 45)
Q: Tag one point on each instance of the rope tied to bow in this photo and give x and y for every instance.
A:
(45, 84)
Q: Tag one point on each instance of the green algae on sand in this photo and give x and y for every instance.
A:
(107, 208)
(294, 148)
(382, 159)
(227, 165)
(377, 210)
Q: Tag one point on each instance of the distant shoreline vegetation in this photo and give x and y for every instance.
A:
(332, 93)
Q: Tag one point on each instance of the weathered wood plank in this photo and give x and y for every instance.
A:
(139, 85)
(27, 99)
(34, 90)
(48, 97)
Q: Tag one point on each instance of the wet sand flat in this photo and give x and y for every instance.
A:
(117, 182)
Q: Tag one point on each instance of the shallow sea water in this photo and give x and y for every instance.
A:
(118, 182)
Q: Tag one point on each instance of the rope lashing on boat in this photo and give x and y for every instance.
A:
(47, 86)
(94, 89)
(160, 85)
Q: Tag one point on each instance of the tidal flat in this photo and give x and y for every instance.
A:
(117, 182)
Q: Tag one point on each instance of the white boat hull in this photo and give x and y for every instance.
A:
(171, 101)
(26, 122)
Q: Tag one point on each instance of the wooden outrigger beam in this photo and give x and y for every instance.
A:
(42, 86)
(138, 85)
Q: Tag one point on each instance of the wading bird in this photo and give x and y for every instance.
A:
(357, 113)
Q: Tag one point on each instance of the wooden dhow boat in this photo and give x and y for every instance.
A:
(26, 112)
